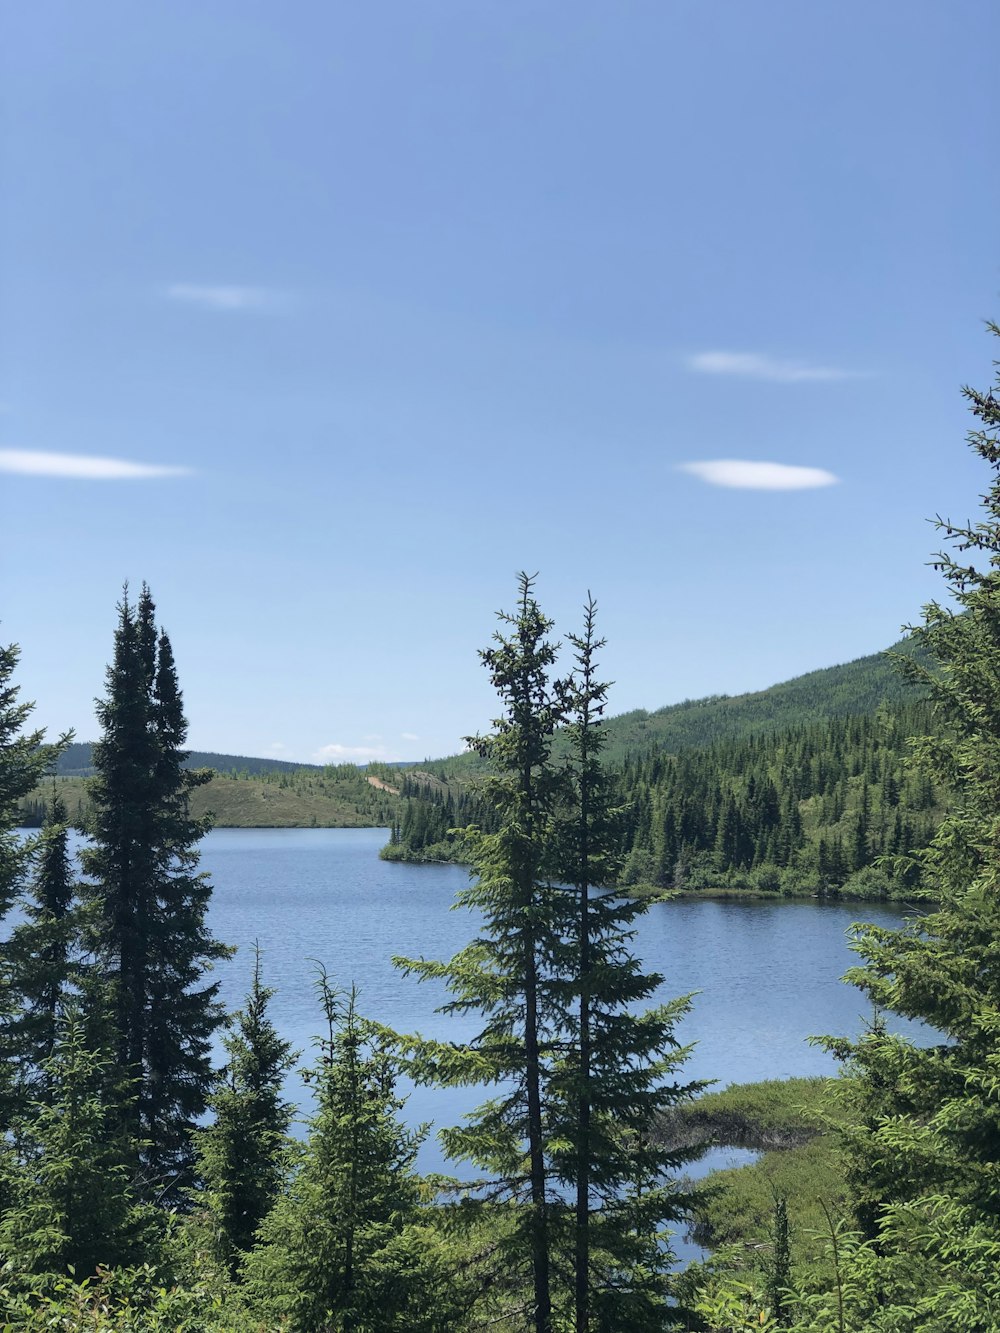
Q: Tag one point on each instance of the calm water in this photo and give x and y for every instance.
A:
(766, 974)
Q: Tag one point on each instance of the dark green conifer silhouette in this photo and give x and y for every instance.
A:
(43, 953)
(24, 760)
(344, 1248)
(147, 902)
(241, 1154)
(614, 1072)
(71, 1203)
(925, 1155)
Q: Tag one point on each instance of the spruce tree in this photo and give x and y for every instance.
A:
(504, 974)
(926, 1157)
(42, 952)
(241, 1154)
(575, 1186)
(71, 1205)
(342, 1249)
(147, 901)
(617, 1072)
(24, 760)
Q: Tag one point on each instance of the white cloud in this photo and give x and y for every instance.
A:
(220, 297)
(37, 463)
(745, 475)
(277, 746)
(351, 754)
(408, 736)
(752, 365)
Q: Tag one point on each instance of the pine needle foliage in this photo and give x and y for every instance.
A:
(343, 1248)
(147, 902)
(927, 1160)
(241, 1154)
(616, 1072)
(43, 953)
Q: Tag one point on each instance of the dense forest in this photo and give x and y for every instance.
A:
(141, 1188)
(832, 805)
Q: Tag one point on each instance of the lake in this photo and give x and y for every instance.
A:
(767, 974)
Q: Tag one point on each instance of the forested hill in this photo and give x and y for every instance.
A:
(78, 762)
(802, 788)
(853, 689)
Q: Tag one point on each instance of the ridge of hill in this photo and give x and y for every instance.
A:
(850, 689)
(340, 796)
(803, 788)
(77, 761)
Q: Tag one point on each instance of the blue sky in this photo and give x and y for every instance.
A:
(371, 306)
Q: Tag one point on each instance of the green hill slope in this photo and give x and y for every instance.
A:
(800, 788)
(78, 762)
(852, 689)
(849, 690)
(344, 796)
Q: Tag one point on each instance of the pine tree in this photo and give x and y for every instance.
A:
(24, 760)
(72, 1206)
(503, 973)
(241, 1154)
(342, 1248)
(41, 953)
(147, 901)
(926, 1160)
(616, 1076)
(576, 1187)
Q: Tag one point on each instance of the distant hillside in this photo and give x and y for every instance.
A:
(851, 690)
(78, 762)
(802, 788)
(344, 796)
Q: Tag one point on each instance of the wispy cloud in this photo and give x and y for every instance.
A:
(351, 754)
(220, 297)
(743, 474)
(408, 736)
(85, 467)
(755, 366)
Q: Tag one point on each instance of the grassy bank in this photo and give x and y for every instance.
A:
(792, 1123)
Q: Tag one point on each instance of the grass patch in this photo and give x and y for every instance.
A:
(792, 1122)
(337, 797)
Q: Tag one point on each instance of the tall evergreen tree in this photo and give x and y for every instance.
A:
(581, 1190)
(241, 1154)
(24, 760)
(147, 901)
(926, 1160)
(504, 974)
(617, 1073)
(42, 952)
